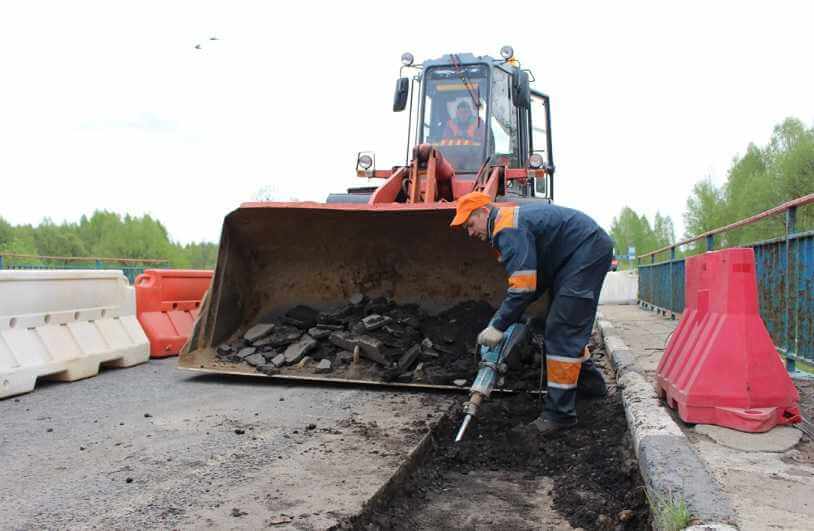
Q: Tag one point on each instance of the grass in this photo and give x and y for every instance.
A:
(670, 513)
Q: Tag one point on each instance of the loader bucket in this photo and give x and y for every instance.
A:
(274, 256)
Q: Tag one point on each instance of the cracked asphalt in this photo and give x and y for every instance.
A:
(155, 447)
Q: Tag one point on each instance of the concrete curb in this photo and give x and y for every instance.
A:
(669, 466)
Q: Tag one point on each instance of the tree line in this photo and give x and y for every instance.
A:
(762, 178)
(104, 234)
(758, 180)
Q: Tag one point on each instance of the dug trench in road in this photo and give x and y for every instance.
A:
(586, 477)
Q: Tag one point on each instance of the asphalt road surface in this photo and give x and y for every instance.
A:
(155, 447)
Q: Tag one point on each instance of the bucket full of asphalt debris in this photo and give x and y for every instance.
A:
(350, 293)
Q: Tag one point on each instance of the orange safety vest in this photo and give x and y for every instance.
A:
(471, 131)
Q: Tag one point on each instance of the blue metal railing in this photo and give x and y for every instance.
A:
(131, 268)
(785, 279)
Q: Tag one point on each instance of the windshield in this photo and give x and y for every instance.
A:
(455, 114)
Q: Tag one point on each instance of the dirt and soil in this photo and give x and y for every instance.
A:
(584, 478)
(806, 447)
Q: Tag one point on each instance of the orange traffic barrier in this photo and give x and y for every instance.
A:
(167, 303)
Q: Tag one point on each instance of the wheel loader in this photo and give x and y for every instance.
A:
(473, 124)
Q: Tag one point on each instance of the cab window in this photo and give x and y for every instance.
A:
(504, 120)
(539, 134)
(455, 114)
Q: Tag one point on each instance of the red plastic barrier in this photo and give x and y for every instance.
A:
(167, 302)
(721, 366)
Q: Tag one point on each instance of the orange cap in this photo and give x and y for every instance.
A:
(467, 204)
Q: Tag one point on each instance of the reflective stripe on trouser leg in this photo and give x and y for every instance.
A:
(562, 374)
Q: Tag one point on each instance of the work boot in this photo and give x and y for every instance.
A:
(591, 383)
(542, 427)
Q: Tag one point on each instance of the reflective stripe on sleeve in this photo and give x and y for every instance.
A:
(523, 281)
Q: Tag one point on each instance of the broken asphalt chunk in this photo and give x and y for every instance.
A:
(246, 352)
(268, 369)
(371, 348)
(282, 336)
(324, 367)
(258, 331)
(303, 317)
(255, 360)
(318, 332)
(344, 357)
(278, 360)
(374, 321)
(405, 377)
(411, 321)
(409, 358)
(343, 340)
(296, 351)
(224, 350)
(428, 355)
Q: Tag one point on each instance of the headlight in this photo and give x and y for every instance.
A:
(407, 59)
(365, 161)
(536, 161)
(507, 52)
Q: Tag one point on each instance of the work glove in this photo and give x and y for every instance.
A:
(490, 337)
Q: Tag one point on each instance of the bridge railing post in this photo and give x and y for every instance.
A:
(672, 287)
(790, 336)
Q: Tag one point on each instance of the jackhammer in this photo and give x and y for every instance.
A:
(492, 364)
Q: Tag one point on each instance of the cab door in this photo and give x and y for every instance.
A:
(540, 142)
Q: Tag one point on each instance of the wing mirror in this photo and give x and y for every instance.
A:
(522, 94)
(400, 97)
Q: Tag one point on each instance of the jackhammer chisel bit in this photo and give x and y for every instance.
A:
(491, 365)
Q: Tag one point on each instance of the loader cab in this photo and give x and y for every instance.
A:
(480, 109)
(454, 114)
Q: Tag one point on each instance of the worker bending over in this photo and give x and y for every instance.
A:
(544, 246)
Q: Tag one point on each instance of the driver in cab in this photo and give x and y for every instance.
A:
(464, 128)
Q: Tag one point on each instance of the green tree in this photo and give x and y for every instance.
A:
(105, 234)
(663, 231)
(760, 179)
(630, 229)
(705, 210)
(58, 240)
(6, 235)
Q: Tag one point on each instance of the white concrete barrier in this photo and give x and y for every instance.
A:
(64, 325)
(620, 287)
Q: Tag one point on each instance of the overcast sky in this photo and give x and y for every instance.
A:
(108, 105)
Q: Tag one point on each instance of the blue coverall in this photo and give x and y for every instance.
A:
(545, 246)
